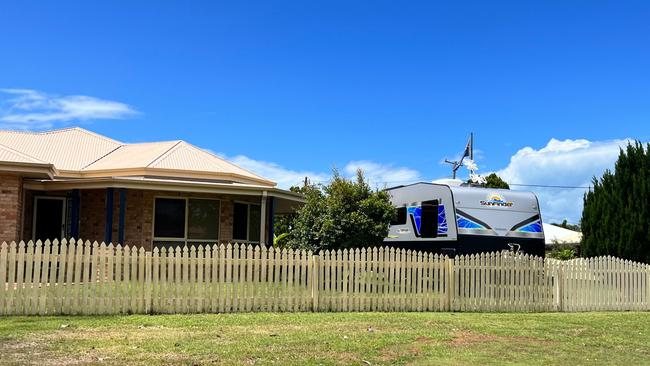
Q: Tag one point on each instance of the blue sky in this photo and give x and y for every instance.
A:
(550, 89)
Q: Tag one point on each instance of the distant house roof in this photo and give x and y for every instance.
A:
(559, 235)
(76, 152)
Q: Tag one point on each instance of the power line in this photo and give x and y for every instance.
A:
(548, 186)
(511, 184)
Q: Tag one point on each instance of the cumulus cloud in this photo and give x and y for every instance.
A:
(561, 163)
(380, 175)
(377, 174)
(27, 108)
(283, 176)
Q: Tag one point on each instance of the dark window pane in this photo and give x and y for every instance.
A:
(400, 218)
(254, 223)
(240, 221)
(203, 219)
(49, 219)
(429, 220)
(169, 219)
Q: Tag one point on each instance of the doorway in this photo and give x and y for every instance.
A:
(49, 218)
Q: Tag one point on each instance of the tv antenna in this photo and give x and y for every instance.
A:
(469, 151)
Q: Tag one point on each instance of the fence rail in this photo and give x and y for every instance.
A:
(75, 277)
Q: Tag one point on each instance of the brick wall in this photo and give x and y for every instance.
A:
(10, 206)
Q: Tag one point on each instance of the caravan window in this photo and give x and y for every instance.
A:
(400, 216)
(429, 219)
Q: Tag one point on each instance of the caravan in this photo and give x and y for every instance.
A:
(457, 219)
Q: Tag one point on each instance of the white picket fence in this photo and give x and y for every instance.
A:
(84, 278)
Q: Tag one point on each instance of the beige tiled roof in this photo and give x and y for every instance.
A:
(131, 156)
(68, 149)
(189, 157)
(78, 152)
(10, 155)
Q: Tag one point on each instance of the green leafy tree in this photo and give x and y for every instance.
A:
(616, 213)
(342, 214)
(565, 224)
(494, 181)
(283, 224)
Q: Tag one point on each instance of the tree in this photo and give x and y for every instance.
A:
(565, 224)
(616, 211)
(283, 224)
(342, 214)
(494, 181)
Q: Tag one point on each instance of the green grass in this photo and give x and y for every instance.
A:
(329, 339)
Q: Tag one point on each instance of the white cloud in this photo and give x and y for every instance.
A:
(380, 175)
(377, 174)
(561, 163)
(275, 172)
(28, 108)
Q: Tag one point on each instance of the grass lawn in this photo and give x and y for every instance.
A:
(329, 339)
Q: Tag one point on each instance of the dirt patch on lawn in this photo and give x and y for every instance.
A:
(467, 338)
(32, 352)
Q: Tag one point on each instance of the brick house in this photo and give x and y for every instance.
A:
(73, 183)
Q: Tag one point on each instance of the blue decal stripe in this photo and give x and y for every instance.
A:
(442, 220)
(416, 212)
(465, 223)
(533, 227)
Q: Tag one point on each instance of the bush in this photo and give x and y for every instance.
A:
(562, 254)
(342, 214)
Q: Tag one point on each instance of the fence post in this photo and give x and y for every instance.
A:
(560, 286)
(647, 294)
(449, 264)
(315, 283)
(148, 268)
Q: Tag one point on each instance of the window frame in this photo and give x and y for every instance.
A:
(248, 222)
(184, 239)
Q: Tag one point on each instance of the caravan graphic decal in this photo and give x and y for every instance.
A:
(495, 199)
(466, 221)
(416, 213)
(530, 225)
(442, 220)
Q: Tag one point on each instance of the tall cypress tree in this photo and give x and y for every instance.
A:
(616, 215)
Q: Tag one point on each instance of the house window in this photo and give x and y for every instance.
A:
(246, 222)
(185, 221)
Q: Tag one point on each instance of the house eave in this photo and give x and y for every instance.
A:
(161, 185)
(171, 173)
(32, 170)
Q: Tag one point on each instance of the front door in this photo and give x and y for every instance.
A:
(49, 218)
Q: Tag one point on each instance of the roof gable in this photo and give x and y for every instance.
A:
(67, 149)
(10, 155)
(184, 156)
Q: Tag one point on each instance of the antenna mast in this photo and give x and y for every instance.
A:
(469, 151)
